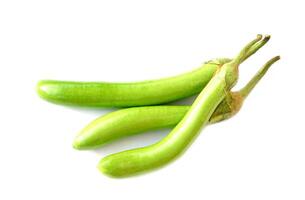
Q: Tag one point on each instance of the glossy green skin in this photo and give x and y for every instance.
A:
(130, 121)
(147, 158)
(103, 94)
(135, 161)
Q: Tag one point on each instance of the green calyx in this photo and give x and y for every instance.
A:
(231, 68)
(233, 64)
(234, 100)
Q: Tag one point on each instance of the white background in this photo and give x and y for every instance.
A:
(258, 154)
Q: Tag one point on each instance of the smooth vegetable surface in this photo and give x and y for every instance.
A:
(103, 94)
(130, 121)
(147, 158)
(153, 92)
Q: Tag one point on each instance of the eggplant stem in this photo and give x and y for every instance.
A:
(243, 53)
(257, 46)
(244, 92)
